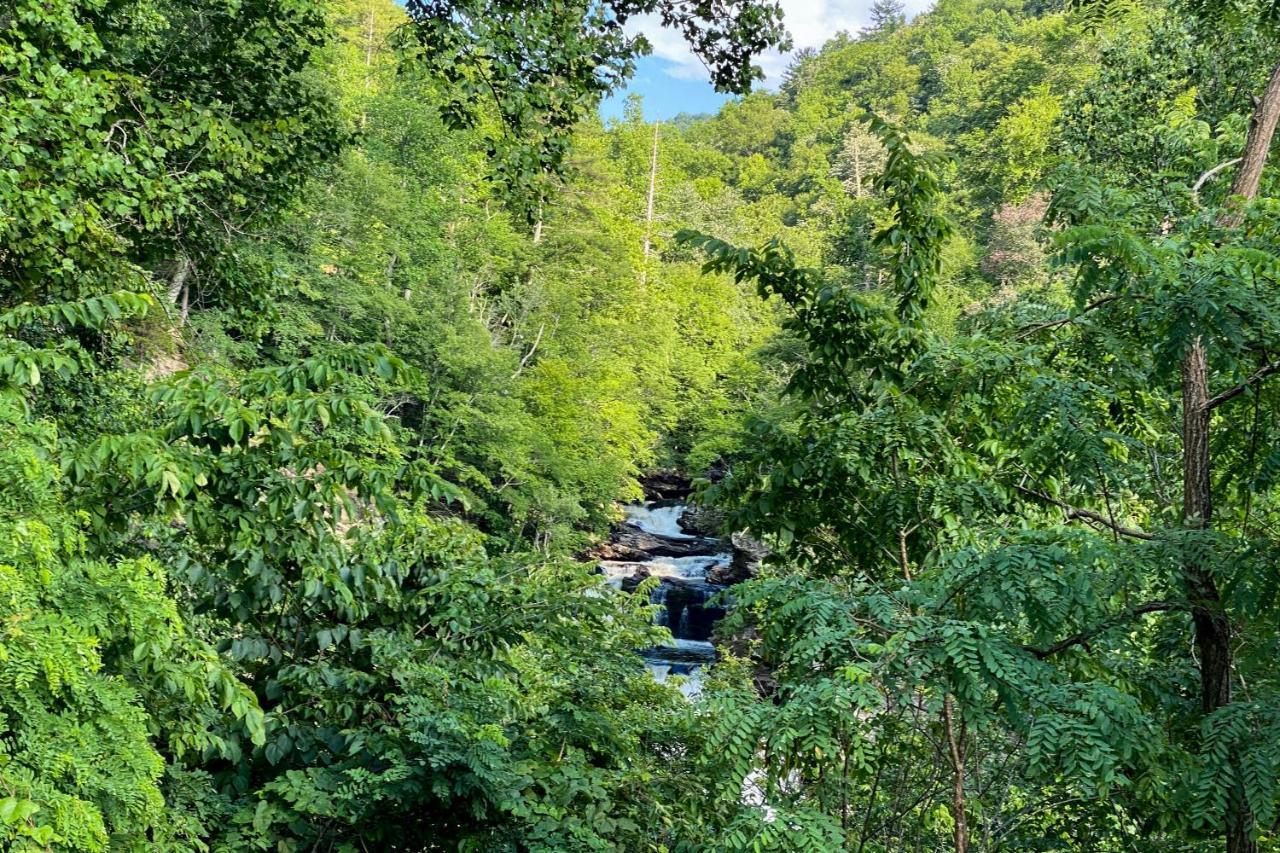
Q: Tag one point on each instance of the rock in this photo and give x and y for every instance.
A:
(611, 552)
(630, 544)
(717, 470)
(748, 554)
(666, 484)
(633, 539)
(688, 615)
(728, 575)
(689, 652)
(702, 521)
(630, 583)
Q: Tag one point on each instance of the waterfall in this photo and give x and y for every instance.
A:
(683, 593)
(660, 520)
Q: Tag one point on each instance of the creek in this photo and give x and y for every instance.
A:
(652, 543)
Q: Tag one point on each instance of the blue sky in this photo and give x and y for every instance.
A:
(672, 81)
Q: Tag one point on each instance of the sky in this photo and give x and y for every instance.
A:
(673, 81)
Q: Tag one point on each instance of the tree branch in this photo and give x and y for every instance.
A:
(1213, 402)
(1084, 637)
(1040, 327)
(524, 361)
(1195, 190)
(1074, 512)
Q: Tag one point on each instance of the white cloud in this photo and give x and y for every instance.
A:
(811, 23)
(669, 46)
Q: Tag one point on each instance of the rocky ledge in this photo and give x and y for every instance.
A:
(666, 484)
(630, 544)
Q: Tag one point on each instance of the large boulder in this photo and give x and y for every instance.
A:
(635, 539)
(748, 554)
(630, 544)
(612, 552)
(702, 521)
(634, 580)
(666, 484)
(689, 615)
(727, 575)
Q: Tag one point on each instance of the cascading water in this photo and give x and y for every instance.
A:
(658, 519)
(683, 592)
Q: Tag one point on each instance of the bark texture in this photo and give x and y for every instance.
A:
(1212, 623)
(1262, 129)
(956, 750)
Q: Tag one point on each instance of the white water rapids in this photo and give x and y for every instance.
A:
(660, 521)
(684, 593)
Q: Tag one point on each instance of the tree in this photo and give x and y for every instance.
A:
(102, 679)
(887, 16)
(141, 136)
(1213, 628)
(797, 73)
(1213, 617)
(980, 533)
(542, 67)
(860, 159)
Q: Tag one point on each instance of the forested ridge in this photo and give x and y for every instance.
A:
(336, 334)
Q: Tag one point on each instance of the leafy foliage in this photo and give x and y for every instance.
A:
(99, 669)
(302, 426)
(543, 68)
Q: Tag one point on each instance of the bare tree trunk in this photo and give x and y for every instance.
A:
(178, 287)
(648, 211)
(1212, 624)
(857, 169)
(1262, 129)
(956, 749)
(524, 361)
(368, 69)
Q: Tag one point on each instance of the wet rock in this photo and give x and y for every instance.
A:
(730, 574)
(682, 651)
(612, 552)
(633, 539)
(689, 615)
(702, 521)
(748, 554)
(666, 484)
(630, 544)
(630, 582)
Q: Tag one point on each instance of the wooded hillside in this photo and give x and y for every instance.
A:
(335, 334)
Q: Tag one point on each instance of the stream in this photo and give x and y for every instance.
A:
(651, 543)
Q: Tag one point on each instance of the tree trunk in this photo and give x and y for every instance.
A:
(1213, 629)
(648, 211)
(1240, 833)
(1262, 129)
(368, 70)
(956, 750)
(857, 170)
(1212, 624)
(179, 296)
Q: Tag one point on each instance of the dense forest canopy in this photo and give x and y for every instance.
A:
(334, 333)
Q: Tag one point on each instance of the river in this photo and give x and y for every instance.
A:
(682, 561)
